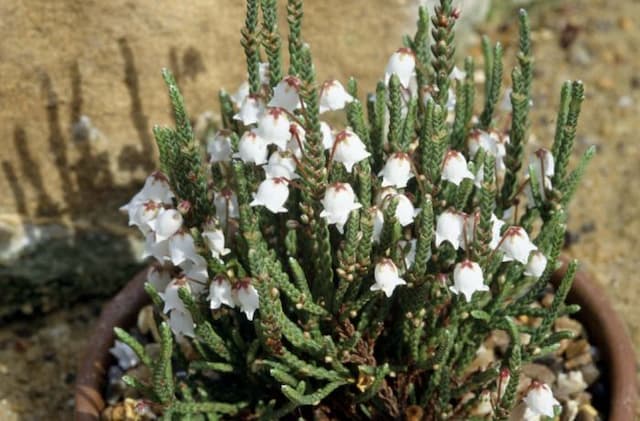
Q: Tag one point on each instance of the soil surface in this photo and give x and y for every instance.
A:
(596, 41)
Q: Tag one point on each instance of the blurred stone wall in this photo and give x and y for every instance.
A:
(80, 91)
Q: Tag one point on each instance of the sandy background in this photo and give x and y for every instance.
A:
(60, 60)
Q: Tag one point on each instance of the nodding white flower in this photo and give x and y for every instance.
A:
(386, 277)
(401, 63)
(516, 245)
(145, 214)
(449, 227)
(457, 74)
(220, 293)
(181, 323)
(339, 200)
(490, 141)
(272, 194)
(167, 223)
(214, 239)
(383, 194)
(252, 148)
(285, 94)
(219, 147)
(540, 400)
(273, 127)
(333, 96)
(226, 203)
(170, 295)
(246, 297)
(159, 250)
(327, 135)
(249, 111)
(281, 164)
(158, 278)
(124, 354)
(409, 250)
(182, 248)
(467, 279)
(349, 149)
(405, 212)
(495, 231)
(455, 168)
(378, 223)
(397, 170)
(156, 188)
(196, 269)
(298, 139)
(543, 169)
(536, 265)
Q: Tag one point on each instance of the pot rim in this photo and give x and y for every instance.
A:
(604, 326)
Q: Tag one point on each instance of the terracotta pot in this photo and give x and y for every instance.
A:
(606, 330)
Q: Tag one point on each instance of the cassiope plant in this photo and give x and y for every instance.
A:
(352, 271)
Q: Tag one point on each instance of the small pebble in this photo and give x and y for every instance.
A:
(539, 372)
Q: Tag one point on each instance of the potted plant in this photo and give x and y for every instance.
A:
(309, 271)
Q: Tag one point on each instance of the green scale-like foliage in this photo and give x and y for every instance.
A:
(321, 336)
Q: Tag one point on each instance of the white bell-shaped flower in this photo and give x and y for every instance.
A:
(383, 195)
(540, 400)
(516, 245)
(338, 201)
(214, 239)
(170, 295)
(386, 277)
(349, 149)
(378, 223)
(455, 168)
(226, 203)
(273, 127)
(536, 265)
(219, 147)
(327, 135)
(246, 297)
(285, 94)
(298, 139)
(272, 194)
(220, 293)
(397, 170)
(409, 250)
(181, 323)
(156, 188)
(182, 248)
(405, 211)
(167, 223)
(401, 63)
(281, 164)
(449, 227)
(333, 96)
(467, 279)
(249, 111)
(252, 148)
(145, 214)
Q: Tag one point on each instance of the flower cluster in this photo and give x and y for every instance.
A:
(305, 259)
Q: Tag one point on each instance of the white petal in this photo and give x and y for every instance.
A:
(540, 400)
(405, 212)
(159, 250)
(156, 188)
(516, 245)
(455, 168)
(386, 277)
(241, 94)
(339, 201)
(226, 203)
(250, 109)
(182, 247)
(219, 148)
(158, 278)
(401, 63)
(281, 164)
(333, 96)
(349, 149)
(536, 265)
(285, 94)
(467, 279)
(166, 224)
(449, 227)
(273, 127)
(220, 293)
(378, 223)
(181, 323)
(195, 270)
(272, 194)
(171, 298)
(252, 148)
(247, 299)
(298, 138)
(397, 170)
(214, 239)
(327, 135)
